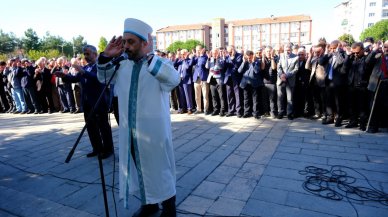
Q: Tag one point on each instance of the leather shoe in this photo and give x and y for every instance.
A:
(247, 115)
(169, 208)
(372, 130)
(92, 154)
(327, 121)
(146, 210)
(229, 114)
(222, 114)
(351, 124)
(338, 122)
(215, 113)
(290, 117)
(279, 117)
(105, 155)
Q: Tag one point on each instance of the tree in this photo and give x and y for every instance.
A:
(379, 31)
(191, 44)
(78, 43)
(50, 42)
(31, 40)
(175, 46)
(8, 42)
(102, 44)
(348, 38)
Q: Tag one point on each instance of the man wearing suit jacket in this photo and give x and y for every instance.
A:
(317, 80)
(216, 63)
(250, 83)
(186, 73)
(201, 87)
(287, 68)
(232, 81)
(335, 82)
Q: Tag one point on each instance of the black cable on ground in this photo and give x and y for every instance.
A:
(337, 183)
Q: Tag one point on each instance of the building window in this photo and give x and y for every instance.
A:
(372, 4)
(370, 24)
(385, 13)
(371, 14)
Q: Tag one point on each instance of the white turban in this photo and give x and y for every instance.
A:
(137, 27)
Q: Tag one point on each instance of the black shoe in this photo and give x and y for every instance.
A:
(105, 155)
(247, 115)
(316, 116)
(207, 113)
(351, 124)
(64, 111)
(92, 154)
(198, 112)
(36, 112)
(215, 113)
(229, 114)
(22, 113)
(169, 208)
(222, 114)
(338, 122)
(290, 117)
(372, 130)
(362, 127)
(328, 121)
(29, 112)
(49, 112)
(257, 116)
(146, 210)
(239, 116)
(279, 117)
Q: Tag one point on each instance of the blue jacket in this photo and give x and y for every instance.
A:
(232, 65)
(200, 70)
(251, 74)
(186, 70)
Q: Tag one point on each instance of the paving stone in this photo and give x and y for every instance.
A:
(251, 171)
(300, 157)
(195, 204)
(222, 174)
(261, 208)
(239, 189)
(226, 207)
(210, 190)
(271, 195)
(235, 161)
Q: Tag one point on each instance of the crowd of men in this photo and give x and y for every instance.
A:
(329, 81)
(333, 82)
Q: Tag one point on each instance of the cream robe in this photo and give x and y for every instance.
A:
(143, 96)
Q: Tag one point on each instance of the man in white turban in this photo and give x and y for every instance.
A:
(142, 84)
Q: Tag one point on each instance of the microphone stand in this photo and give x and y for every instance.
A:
(99, 151)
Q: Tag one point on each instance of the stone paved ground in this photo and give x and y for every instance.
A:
(225, 167)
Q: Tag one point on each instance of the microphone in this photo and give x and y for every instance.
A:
(118, 59)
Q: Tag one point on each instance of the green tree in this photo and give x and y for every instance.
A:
(348, 38)
(191, 44)
(78, 43)
(175, 46)
(34, 54)
(379, 31)
(31, 40)
(8, 42)
(102, 44)
(50, 42)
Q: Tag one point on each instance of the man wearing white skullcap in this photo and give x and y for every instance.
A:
(142, 84)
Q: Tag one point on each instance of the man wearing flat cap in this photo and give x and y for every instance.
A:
(142, 84)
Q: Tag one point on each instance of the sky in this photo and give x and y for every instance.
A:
(94, 19)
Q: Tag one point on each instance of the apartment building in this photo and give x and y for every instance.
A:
(353, 16)
(249, 34)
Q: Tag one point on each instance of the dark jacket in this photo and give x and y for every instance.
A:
(91, 88)
(200, 70)
(232, 64)
(339, 73)
(251, 74)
